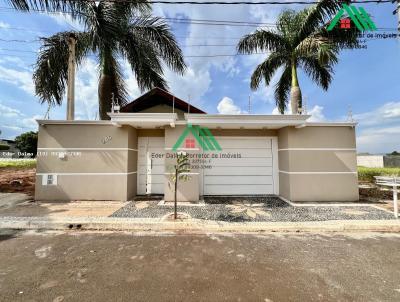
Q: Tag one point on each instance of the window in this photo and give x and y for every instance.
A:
(345, 23)
(189, 143)
(49, 180)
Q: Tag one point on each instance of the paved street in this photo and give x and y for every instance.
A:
(86, 266)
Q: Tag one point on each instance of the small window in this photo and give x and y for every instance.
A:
(49, 180)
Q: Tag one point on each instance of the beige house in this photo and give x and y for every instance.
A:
(132, 154)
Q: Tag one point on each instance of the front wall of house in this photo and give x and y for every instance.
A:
(100, 162)
(315, 163)
(318, 163)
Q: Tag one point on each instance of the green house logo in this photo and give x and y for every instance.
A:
(359, 17)
(202, 135)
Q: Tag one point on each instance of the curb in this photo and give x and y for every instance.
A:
(195, 226)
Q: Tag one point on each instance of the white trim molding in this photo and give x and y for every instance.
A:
(328, 172)
(88, 173)
(317, 149)
(74, 122)
(144, 120)
(245, 121)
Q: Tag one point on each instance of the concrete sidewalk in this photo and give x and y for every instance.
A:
(194, 225)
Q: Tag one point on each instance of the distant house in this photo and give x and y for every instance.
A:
(12, 150)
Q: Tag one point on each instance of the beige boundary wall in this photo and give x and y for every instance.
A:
(318, 163)
(100, 161)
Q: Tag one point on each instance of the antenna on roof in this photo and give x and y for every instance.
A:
(249, 109)
(114, 104)
(350, 115)
(304, 111)
(189, 103)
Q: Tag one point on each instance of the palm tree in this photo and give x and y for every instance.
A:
(112, 31)
(299, 41)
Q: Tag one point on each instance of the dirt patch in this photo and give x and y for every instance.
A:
(14, 180)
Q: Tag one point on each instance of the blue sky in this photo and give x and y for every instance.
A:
(367, 80)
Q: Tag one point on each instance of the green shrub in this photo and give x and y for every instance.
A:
(4, 147)
(367, 174)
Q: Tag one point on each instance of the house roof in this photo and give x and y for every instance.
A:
(158, 96)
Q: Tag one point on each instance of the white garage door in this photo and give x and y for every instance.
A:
(150, 169)
(255, 172)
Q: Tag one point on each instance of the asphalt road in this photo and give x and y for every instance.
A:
(130, 267)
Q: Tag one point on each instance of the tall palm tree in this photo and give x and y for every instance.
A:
(112, 31)
(299, 41)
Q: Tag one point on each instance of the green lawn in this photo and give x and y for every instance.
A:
(20, 164)
(367, 174)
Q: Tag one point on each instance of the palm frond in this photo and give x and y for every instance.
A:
(261, 40)
(319, 73)
(266, 70)
(318, 15)
(158, 35)
(282, 89)
(145, 62)
(51, 68)
(49, 5)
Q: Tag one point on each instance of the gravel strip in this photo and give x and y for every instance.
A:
(266, 208)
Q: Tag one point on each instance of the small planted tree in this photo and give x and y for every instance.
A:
(179, 173)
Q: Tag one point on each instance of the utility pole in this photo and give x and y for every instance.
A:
(71, 78)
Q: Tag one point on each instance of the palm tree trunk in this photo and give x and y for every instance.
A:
(105, 95)
(295, 92)
(106, 83)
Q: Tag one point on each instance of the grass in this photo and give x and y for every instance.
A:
(367, 174)
(18, 164)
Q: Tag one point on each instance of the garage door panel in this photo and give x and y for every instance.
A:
(239, 189)
(243, 143)
(228, 171)
(241, 162)
(252, 173)
(239, 180)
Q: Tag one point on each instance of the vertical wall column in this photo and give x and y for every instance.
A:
(318, 163)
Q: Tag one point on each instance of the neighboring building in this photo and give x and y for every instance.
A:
(378, 161)
(131, 155)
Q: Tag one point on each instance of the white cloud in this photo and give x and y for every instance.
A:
(7, 112)
(193, 83)
(316, 114)
(388, 112)
(378, 130)
(21, 79)
(227, 106)
(15, 122)
(4, 25)
(86, 96)
(65, 20)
